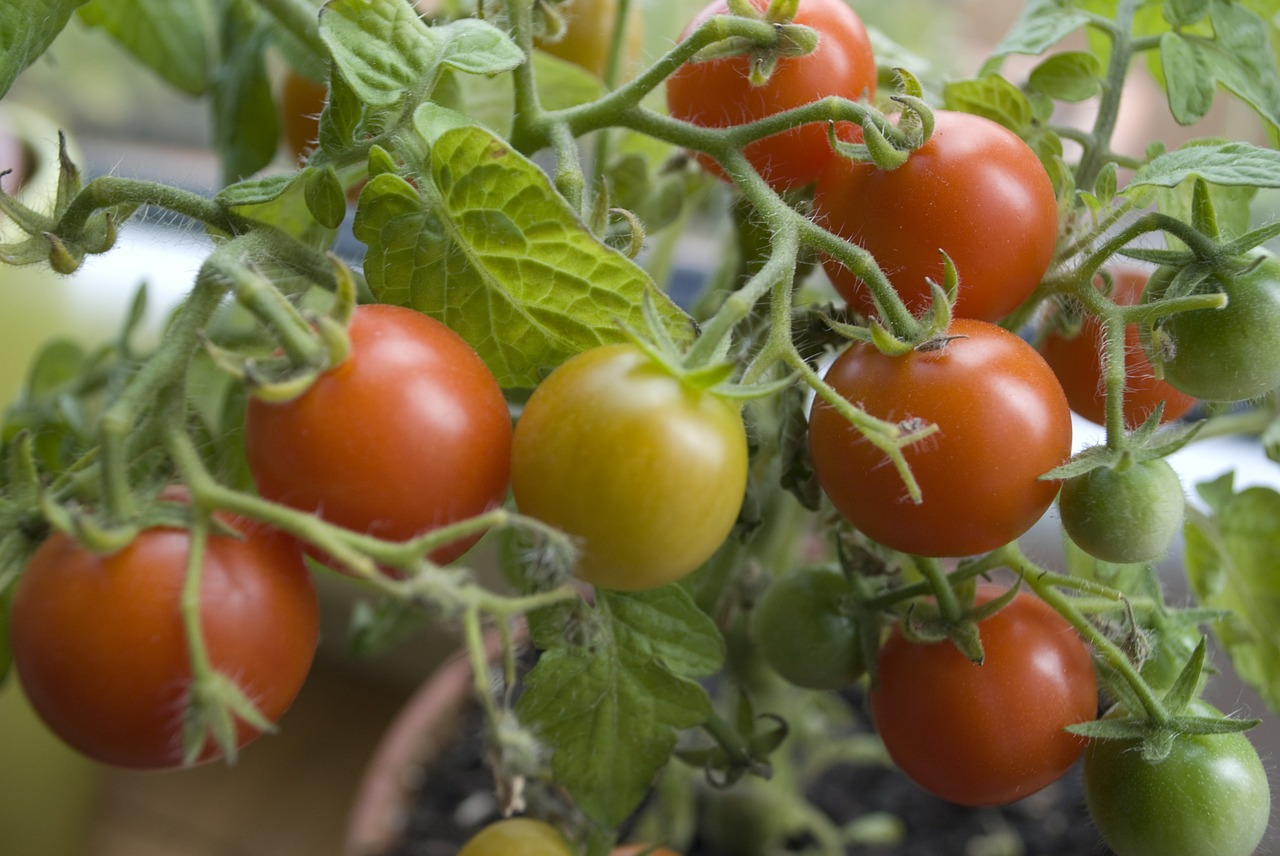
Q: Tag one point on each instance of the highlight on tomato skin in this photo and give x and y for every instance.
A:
(974, 190)
(718, 93)
(989, 734)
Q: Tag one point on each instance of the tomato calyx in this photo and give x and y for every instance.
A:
(915, 125)
(927, 623)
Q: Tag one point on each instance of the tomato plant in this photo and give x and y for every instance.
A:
(1227, 354)
(646, 470)
(719, 93)
(990, 733)
(438, 451)
(974, 190)
(1127, 513)
(1003, 422)
(1210, 795)
(1077, 361)
(805, 631)
(100, 647)
(522, 835)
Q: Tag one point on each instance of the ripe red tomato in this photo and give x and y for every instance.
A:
(301, 102)
(1003, 423)
(588, 33)
(1077, 361)
(100, 648)
(718, 93)
(410, 433)
(646, 471)
(974, 190)
(989, 734)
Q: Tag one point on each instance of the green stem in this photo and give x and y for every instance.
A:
(1104, 125)
(940, 586)
(110, 191)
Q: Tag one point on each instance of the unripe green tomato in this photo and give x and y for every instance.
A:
(1209, 796)
(517, 836)
(1227, 354)
(804, 632)
(1129, 513)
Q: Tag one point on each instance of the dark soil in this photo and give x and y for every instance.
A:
(1051, 823)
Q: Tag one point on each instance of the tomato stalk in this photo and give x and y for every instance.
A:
(1097, 146)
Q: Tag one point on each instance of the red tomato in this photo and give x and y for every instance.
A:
(989, 734)
(1003, 423)
(100, 647)
(1077, 361)
(718, 93)
(974, 190)
(410, 433)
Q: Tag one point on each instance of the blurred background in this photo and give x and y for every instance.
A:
(290, 793)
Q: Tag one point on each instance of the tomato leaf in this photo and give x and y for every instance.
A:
(281, 201)
(1069, 76)
(612, 704)
(168, 36)
(1041, 24)
(383, 48)
(993, 97)
(1230, 561)
(27, 28)
(486, 245)
(246, 126)
(1232, 164)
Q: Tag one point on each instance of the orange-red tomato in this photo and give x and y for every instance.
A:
(1077, 361)
(1003, 422)
(718, 93)
(100, 647)
(410, 433)
(301, 102)
(974, 190)
(988, 734)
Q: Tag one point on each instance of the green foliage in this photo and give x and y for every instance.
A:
(1231, 559)
(27, 28)
(613, 688)
(168, 36)
(490, 248)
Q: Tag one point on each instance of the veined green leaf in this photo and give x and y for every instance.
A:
(490, 248)
(27, 28)
(1068, 76)
(1040, 26)
(993, 97)
(1230, 558)
(246, 126)
(171, 37)
(384, 49)
(1231, 164)
(612, 707)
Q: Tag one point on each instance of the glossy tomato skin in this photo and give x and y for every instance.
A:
(100, 648)
(409, 433)
(718, 93)
(517, 835)
(974, 190)
(990, 734)
(1227, 354)
(1210, 795)
(1003, 422)
(1077, 361)
(647, 472)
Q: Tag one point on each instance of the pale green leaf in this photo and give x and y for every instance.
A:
(245, 121)
(27, 28)
(1188, 78)
(1184, 13)
(279, 201)
(1040, 26)
(612, 708)
(489, 247)
(171, 37)
(1231, 164)
(993, 97)
(1069, 76)
(1231, 563)
(384, 49)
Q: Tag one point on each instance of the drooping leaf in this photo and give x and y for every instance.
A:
(612, 705)
(1040, 26)
(1230, 560)
(993, 97)
(171, 37)
(490, 248)
(1068, 76)
(384, 49)
(245, 122)
(27, 28)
